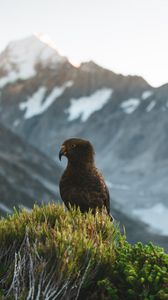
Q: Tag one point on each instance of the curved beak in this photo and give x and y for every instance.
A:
(62, 152)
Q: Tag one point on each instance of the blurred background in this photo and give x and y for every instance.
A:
(91, 69)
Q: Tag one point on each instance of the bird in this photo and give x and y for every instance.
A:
(82, 184)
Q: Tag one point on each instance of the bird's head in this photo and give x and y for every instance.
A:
(77, 150)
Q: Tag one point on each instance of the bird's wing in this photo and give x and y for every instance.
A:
(98, 191)
(107, 200)
(105, 195)
(88, 190)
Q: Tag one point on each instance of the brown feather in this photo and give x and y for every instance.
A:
(82, 184)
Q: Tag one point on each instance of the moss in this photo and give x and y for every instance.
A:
(57, 254)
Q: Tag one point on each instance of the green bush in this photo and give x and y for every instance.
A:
(50, 253)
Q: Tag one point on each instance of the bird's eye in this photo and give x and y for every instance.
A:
(73, 146)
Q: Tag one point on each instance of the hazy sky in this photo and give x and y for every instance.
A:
(127, 36)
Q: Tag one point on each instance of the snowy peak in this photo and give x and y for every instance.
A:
(20, 58)
(34, 48)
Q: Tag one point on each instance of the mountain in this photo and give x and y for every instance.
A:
(26, 175)
(123, 116)
(21, 59)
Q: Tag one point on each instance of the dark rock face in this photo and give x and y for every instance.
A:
(123, 116)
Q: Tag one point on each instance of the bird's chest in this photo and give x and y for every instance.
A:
(75, 180)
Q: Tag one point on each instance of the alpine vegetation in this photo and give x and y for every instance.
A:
(50, 253)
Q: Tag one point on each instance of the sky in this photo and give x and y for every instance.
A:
(126, 36)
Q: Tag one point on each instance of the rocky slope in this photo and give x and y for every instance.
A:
(124, 117)
(26, 175)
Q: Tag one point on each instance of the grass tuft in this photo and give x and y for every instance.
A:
(50, 253)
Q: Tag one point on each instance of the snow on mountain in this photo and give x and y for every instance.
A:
(36, 104)
(155, 216)
(130, 105)
(20, 58)
(151, 106)
(10, 78)
(84, 107)
(146, 95)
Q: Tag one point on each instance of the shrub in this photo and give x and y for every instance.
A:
(50, 253)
